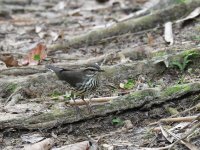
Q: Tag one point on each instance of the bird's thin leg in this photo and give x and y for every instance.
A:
(78, 115)
(87, 104)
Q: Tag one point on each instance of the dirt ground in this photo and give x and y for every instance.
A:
(25, 23)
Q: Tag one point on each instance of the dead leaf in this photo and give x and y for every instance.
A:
(192, 15)
(150, 39)
(54, 35)
(9, 60)
(60, 6)
(189, 145)
(85, 145)
(43, 145)
(168, 34)
(42, 35)
(164, 60)
(35, 55)
(166, 134)
(38, 29)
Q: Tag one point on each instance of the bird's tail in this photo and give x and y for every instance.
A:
(53, 68)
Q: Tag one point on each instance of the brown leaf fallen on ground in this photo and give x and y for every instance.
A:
(85, 145)
(150, 39)
(9, 60)
(43, 145)
(35, 55)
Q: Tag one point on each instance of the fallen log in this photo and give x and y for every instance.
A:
(133, 25)
(139, 100)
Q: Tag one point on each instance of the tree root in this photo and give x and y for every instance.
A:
(132, 25)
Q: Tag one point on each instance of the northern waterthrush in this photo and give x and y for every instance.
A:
(83, 81)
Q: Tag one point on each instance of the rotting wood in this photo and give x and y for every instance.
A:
(150, 63)
(177, 119)
(113, 74)
(81, 102)
(133, 25)
(143, 99)
(22, 71)
(197, 106)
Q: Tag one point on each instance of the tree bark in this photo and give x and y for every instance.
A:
(130, 26)
(139, 100)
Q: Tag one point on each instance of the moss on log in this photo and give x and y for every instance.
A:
(144, 99)
(133, 25)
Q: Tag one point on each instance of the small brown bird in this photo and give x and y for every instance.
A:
(83, 81)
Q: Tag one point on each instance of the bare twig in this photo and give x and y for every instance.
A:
(187, 110)
(93, 100)
(185, 136)
(156, 148)
(179, 140)
(178, 119)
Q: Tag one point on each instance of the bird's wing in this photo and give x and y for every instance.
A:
(74, 78)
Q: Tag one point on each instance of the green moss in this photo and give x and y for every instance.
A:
(129, 84)
(159, 53)
(11, 87)
(117, 121)
(133, 99)
(176, 89)
(138, 95)
(101, 108)
(181, 1)
(55, 94)
(56, 111)
(171, 110)
(115, 103)
(196, 38)
(191, 51)
(144, 93)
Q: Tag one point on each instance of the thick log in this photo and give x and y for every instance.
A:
(144, 99)
(130, 26)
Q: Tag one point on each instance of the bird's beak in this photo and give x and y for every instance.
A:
(101, 70)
